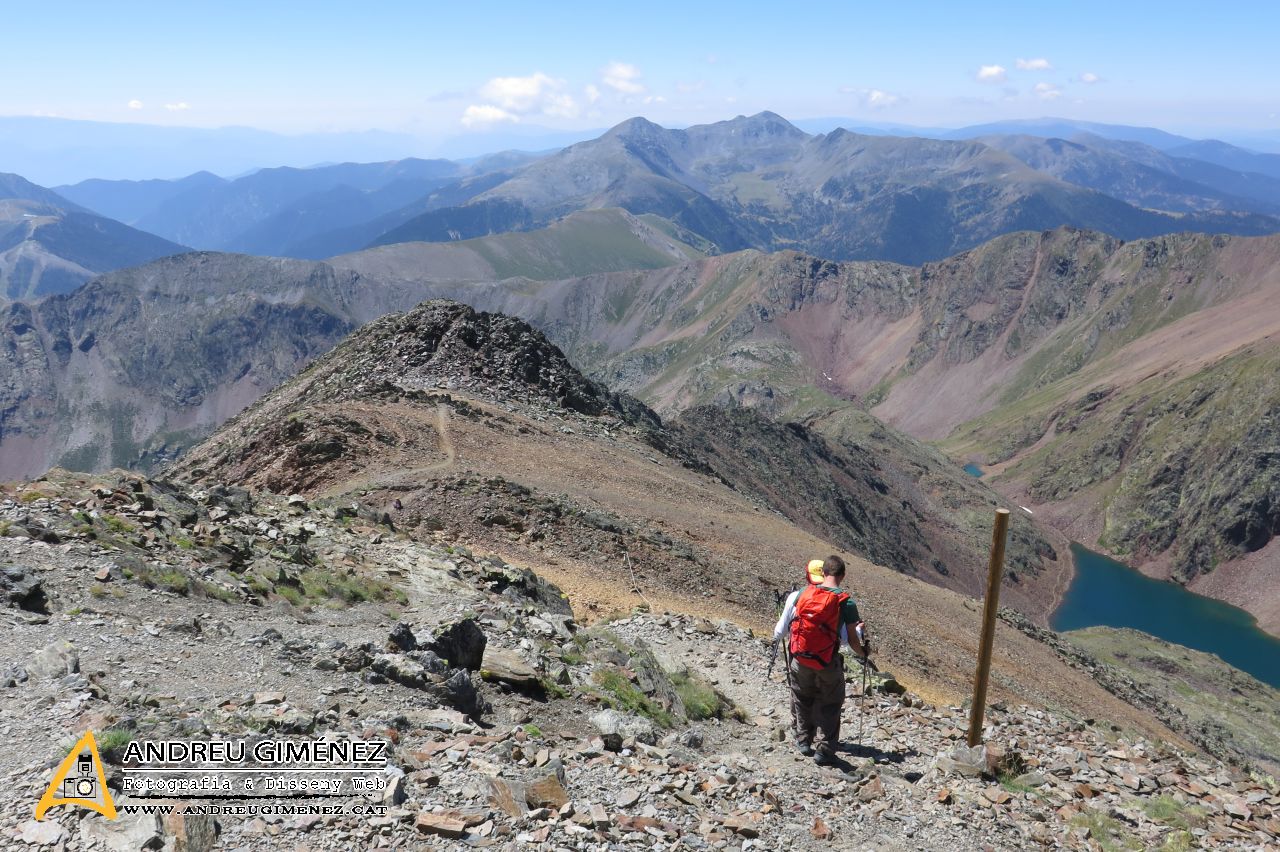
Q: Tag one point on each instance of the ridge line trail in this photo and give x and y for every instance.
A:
(446, 446)
(398, 478)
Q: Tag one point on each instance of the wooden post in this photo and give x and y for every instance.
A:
(990, 604)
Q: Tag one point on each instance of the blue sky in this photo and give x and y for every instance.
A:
(441, 70)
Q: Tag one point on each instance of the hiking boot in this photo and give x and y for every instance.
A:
(823, 758)
(806, 749)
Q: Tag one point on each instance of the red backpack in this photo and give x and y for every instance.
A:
(815, 627)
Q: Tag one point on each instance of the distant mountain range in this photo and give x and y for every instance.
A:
(51, 245)
(289, 212)
(752, 182)
(54, 151)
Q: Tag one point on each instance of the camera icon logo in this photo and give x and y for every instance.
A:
(82, 785)
(79, 780)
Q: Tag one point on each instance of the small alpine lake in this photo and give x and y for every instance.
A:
(972, 469)
(1111, 594)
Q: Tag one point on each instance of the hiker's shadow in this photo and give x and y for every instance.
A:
(876, 754)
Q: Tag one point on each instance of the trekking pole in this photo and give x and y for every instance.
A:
(861, 704)
(861, 632)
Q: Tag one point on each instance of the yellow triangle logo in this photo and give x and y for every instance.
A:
(79, 781)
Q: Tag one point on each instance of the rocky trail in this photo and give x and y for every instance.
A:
(151, 609)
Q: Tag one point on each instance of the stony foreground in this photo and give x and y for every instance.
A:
(148, 609)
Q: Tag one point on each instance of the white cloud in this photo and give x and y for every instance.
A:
(878, 99)
(992, 74)
(135, 104)
(511, 98)
(1040, 64)
(622, 77)
(1090, 78)
(592, 92)
(872, 98)
(695, 86)
(485, 115)
(655, 99)
(520, 94)
(180, 106)
(1047, 91)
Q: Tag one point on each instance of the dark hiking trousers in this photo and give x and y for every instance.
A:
(817, 695)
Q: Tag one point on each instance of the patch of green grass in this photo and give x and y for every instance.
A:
(1167, 810)
(291, 593)
(111, 742)
(572, 658)
(1107, 832)
(877, 394)
(620, 693)
(1179, 841)
(552, 689)
(215, 591)
(32, 496)
(700, 700)
(533, 731)
(1011, 784)
(117, 524)
(98, 590)
(173, 581)
(183, 542)
(4, 528)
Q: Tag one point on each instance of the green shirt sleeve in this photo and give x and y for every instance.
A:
(849, 613)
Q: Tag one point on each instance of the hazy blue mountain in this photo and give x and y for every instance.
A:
(307, 213)
(56, 151)
(357, 236)
(1065, 128)
(1231, 157)
(51, 245)
(1142, 175)
(130, 200)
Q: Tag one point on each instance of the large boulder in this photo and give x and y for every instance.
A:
(55, 661)
(461, 643)
(508, 667)
(616, 726)
(461, 692)
(20, 588)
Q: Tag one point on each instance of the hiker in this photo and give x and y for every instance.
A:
(815, 620)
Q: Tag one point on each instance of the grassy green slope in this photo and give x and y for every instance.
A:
(584, 243)
(1220, 702)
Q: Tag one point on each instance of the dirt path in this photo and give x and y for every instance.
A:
(409, 478)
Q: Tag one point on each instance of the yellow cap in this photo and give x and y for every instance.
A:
(815, 571)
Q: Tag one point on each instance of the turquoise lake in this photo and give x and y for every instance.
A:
(973, 470)
(1109, 593)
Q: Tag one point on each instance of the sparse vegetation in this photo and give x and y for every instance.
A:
(111, 742)
(1167, 810)
(699, 698)
(617, 691)
(117, 524)
(1108, 832)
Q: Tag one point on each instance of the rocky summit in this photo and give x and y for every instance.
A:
(192, 612)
